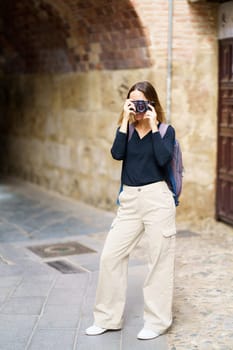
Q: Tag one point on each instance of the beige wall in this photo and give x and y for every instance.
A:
(60, 131)
(57, 129)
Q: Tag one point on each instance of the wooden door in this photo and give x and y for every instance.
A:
(224, 202)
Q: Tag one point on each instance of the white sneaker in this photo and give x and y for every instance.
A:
(95, 330)
(147, 334)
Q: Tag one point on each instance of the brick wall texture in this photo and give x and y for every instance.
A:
(65, 68)
(75, 35)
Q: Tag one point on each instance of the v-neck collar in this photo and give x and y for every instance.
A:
(141, 138)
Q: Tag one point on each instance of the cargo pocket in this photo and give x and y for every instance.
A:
(169, 227)
(169, 232)
(168, 199)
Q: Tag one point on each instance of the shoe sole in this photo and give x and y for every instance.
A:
(106, 330)
(93, 334)
(148, 338)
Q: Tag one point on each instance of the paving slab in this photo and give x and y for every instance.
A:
(38, 288)
(23, 306)
(14, 339)
(51, 339)
(58, 316)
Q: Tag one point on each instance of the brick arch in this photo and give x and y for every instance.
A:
(46, 36)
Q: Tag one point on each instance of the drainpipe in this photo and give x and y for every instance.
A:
(169, 62)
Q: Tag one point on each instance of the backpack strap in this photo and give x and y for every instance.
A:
(163, 129)
(130, 131)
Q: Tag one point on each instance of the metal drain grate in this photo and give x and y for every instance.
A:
(64, 267)
(60, 249)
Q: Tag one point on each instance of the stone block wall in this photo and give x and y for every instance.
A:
(59, 108)
(61, 134)
(194, 107)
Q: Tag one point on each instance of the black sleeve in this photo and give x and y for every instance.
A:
(163, 147)
(119, 146)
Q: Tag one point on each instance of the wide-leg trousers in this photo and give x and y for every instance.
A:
(147, 211)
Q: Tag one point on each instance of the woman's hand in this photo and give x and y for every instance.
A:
(128, 109)
(151, 115)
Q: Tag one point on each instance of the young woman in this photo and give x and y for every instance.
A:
(146, 209)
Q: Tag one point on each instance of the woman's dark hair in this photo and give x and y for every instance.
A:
(150, 93)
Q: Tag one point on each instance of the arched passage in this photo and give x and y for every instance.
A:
(45, 36)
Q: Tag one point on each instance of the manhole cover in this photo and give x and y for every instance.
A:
(64, 267)
(60, 249)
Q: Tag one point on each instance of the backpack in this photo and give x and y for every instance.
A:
(174, 170)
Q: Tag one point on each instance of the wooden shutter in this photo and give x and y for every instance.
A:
(224, 203)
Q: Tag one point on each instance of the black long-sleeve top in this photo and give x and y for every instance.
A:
(143, 159)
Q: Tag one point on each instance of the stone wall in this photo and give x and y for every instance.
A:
(58, 131)
(57, 126)
(194, 103)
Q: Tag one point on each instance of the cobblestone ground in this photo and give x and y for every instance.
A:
(203, 301)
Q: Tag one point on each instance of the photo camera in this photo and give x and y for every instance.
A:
(142, 106)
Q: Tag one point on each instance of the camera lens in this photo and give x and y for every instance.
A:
(141, 106)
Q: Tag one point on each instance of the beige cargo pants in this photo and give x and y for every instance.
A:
(150, 211)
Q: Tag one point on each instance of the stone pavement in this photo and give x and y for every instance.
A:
(49, 255)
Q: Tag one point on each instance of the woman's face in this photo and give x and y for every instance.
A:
(138, 95)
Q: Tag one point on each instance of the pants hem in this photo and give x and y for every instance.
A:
(108, 326)
(156, 329)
